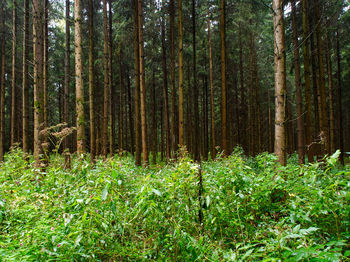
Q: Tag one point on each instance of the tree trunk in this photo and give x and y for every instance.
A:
(280, 82)
(111, 86)
(121, 125)
(25, 86)
(339, 104)
(45, 67)
(66, 76)
(142, 86)
(165, 93)
(331, 99)
(321, 89)
(243, 104)
(131, 120)
(106, 82)
(223, 79)
(13, 77)
(38, 79)
(154, 120)
(79, 78)
(2, 84)
(137, 88)
(181, 97)
(299, 98)
(196, 140)
(211, 81)
(91, 82)
(308, 126)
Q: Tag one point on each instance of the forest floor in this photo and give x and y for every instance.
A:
(245, 209)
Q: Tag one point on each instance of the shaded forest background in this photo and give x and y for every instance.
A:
(226, 90)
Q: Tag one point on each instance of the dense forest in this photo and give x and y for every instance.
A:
(171, 130)
(157, 76)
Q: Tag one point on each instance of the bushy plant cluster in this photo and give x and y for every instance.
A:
(252, 209)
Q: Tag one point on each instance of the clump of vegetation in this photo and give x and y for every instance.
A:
(252, 209)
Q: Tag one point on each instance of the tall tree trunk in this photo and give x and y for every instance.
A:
(331, 99)
(110, 80)
(196, 140)
(181, 96)
(339, 104)
(106, 82)
(121, 125)
(165, 92)
(79, 78)
(142, 86)
(25, 99)
(211, 81)
(154, 119)
(137, 88)
(299, 98)
(280, 82)
(13, 76)
(223, 80)
(131, 120)
(174, 126)
(91, 82)
(308, 124)
(2, 83)
(38, 79)
(66, 75)
(321, 89)
(45, 67)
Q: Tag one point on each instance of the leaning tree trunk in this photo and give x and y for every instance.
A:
(79, 78)
(280, 82)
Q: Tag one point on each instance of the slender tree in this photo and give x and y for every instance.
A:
(91, 82)
(174, 126)
(211, 81)
(181, 95)
(299, 98)
(280, 82)
(66, 74)
(330, 98)
(45, 66)
(106, 82)
(308, 105)
(79, 78)
(13, 75)
(25, 86)
(38, 50)
(2, 83)
(223, 79)
(142, 86)
(110, 80)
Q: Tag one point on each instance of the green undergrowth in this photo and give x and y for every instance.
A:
(253, 210)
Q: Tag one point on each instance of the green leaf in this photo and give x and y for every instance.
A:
(104, 193)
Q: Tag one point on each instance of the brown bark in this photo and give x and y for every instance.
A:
(142, 86)
(2, 84)
(79, 78)
(308, 124)
(181, 97)
(339, 104)
(331, 99)
(121, 125)
(174, 125)
(13, 76)
(137, 88)
(243, 104)
(130, 111)
(196, 138)
(154, 120)
(66, 75)
(280, 82)
(45, 66)
(321, 89)
(299, 98)
(38, 79)
(165, 93)
(223, 80)
(91, 82)
(106, 82)
(110, 80)
(211, 81)
(25, 86)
